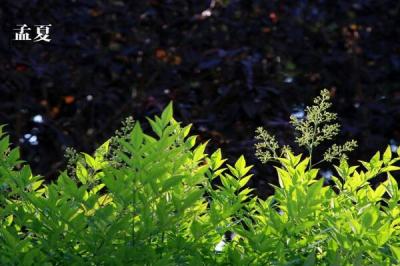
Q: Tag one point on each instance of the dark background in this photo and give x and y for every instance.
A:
(250, 63)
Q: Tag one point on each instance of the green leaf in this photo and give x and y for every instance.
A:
(102, 151)
(314, 190)
(243, 181)
(395, 251)
(136, 136)
(172, 182)
(186, 130)
(380, 190)
(294, 160)
(196, 228)
(192, 198)
(149, 139)
(216, 160)
(390, 168)
(356, 226)
(198, 153)
(81, 173)
(276, 220)
(156, 127)
(302, 166)
(285, 181)
(226, 182)
(127, 146)
(191, 141)
(37, 184)
(9, 220)
(217, 173)
(4, 143)
(167, 114)
(240, 166)
(240, 163)
(383, 234)
(337, 182)
(387, 155)
(233, 171)
(369, 217)
(92, 162)
(375, 159)
(391, 186)
(13, 156)
(8, 238)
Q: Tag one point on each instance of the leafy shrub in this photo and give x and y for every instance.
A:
(159, 199)
(146, 209)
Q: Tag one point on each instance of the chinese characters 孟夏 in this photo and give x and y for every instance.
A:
(23, 33)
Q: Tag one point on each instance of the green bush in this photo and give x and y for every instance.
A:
(158, 199)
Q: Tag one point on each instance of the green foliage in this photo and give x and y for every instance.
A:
(306, 223)
(153, 205)
(160, 199)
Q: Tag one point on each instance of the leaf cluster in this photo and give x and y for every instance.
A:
(156, 206)
(170, 203)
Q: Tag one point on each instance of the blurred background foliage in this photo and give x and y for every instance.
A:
(229, 67)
